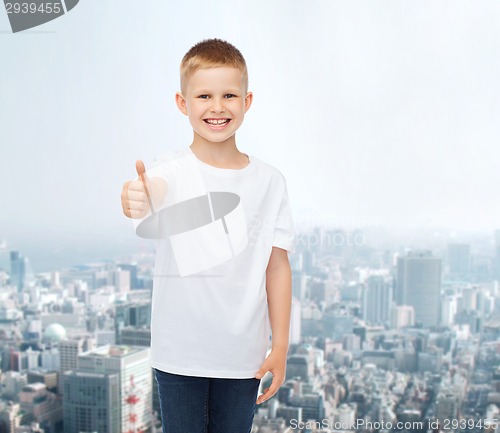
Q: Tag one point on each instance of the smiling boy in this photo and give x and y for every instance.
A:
(222, 277)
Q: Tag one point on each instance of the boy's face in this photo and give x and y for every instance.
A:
(215, 102)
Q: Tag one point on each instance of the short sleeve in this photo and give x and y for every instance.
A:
(284, 234)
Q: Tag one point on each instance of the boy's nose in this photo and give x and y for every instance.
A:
(217, 105)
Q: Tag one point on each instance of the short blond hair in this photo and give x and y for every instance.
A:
(212, 53)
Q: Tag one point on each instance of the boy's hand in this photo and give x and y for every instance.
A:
(136, 201)
(276, 364)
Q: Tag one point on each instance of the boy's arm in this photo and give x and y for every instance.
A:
(279, 299)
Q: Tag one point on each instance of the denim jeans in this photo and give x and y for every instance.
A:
(191, 404)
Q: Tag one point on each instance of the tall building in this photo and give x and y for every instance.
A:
(20, 270)
(120, 279)
(133, 368)
(133, 269)
(135, 314)
(419, 285)
(299, 285)
(448, 310)
(376, 300)
(447, 406)
(459, 260)
(70, 349)
(91, 402)
(40, 405)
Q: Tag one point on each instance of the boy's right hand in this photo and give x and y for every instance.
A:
(134, 197)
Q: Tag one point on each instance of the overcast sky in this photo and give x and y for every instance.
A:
(377, 111)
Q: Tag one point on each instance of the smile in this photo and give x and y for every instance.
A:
(217, 123)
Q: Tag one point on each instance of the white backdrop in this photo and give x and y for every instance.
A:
(384, 111)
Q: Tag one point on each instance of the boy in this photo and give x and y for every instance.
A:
(222, 276)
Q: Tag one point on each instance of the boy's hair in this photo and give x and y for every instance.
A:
(212, 53)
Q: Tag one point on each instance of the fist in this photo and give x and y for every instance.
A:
(136, 201)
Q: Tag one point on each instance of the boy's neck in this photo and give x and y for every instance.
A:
(222, 155)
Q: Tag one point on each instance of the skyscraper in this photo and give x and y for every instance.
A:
(70, 349)
(419, 285)
(91, 402)
(376, 300)
(135, 314)
(18, 270)
(459, 260)
(132, 366)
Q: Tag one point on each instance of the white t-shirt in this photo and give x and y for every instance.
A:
(215, 232)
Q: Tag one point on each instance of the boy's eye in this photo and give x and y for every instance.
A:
(203, 96)
(230, 95)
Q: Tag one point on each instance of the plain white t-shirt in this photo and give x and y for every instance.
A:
(214, 233)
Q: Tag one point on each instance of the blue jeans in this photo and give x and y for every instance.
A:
(191, 404)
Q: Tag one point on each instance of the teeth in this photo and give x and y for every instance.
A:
(217, 121)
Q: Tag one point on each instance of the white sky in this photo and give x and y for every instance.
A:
(377, 111)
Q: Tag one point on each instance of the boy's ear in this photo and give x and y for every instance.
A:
(181, 103)
(248, 100)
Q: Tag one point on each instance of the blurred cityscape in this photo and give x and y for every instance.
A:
(384, 337)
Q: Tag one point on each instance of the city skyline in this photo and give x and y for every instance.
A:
(360, 351)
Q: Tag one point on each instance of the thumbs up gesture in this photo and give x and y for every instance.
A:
(136, 194)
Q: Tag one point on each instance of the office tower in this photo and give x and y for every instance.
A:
(20, 271)
(131, 336)
(40, 405)
(14, 382)
(419, 285)
(299, 285)
(135, 314)
(120, 279)
(133, 270)
(299, 365)
(459, 260)
(308, 261)
(376, 300)
(402, 316)
(448, 310)
(133, 368)
(317, 291)
(469, 299)
(312, 405)
(70, 349)
(91, 402)
(447, 406)
(10, 416)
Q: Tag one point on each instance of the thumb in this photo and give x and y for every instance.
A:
(141, 171)
(139, 166)
(262, 371)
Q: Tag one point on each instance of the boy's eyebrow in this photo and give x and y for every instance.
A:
(230, 89)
